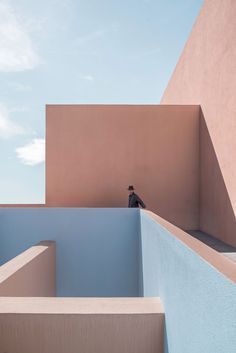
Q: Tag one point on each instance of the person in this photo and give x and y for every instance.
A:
(134, 199)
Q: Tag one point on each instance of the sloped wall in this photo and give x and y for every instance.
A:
(206, 75)
(198, 299)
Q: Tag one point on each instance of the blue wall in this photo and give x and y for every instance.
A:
(98, 254)
(97, 249)
(199, 302)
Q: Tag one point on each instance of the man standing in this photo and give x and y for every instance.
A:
(134, 199)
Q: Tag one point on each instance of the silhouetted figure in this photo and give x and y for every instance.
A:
(134, 199)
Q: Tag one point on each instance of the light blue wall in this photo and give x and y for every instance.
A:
(98, 254)
(97, 249)
(199, 302)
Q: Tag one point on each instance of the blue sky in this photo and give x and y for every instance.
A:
(77, 51)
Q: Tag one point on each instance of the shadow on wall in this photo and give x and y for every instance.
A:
(216, 213)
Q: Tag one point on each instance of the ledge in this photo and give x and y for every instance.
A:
(214, 258)
(32, 273)
(81, 306)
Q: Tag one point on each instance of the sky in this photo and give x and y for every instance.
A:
(78, 51)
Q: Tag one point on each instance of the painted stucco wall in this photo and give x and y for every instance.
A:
(97, 249)
(216, 216)
(199, 301)
(206, 75)
(30, 274)
(93, 152)
(72, 325)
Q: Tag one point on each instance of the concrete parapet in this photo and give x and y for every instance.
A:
(87, 325)
(196, 285)
(32, 273)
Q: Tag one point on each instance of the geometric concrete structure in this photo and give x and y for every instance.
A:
(30, 274)
(94, 151)
(82, 325)
(206, 75)
(194, 283)
(130, 280)
(97, 249)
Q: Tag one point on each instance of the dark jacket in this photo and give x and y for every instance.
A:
(135, 201)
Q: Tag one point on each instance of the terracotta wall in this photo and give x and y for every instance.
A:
(206, 75)
(86, 325)
(217, 216)
(94, 152)
(24, 205)
(30, 274)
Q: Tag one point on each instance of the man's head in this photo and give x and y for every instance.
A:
(130, 189)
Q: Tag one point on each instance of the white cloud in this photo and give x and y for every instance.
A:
(87, 77)
(16, 49)
(8, 128)
(32, 153)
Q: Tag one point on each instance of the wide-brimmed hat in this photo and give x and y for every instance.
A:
(130, 187)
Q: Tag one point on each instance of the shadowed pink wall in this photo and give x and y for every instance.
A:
(94, 152)
(206, 75)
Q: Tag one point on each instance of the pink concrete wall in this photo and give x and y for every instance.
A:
(93, 152)
(16, 205)
(206, 75)
(216, 213)
(72, 325)
(30, 274)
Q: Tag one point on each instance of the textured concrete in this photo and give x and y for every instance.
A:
(81, 325)
(195, 284)
(83, 306)
(15, 205)
(93, 152)
(216, 214)
(97, 249)
(32, 273)
(208, 254)
(206, 75)
(225, 249)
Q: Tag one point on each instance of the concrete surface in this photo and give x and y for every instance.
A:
(82, 325)
(225, 249)
(206, 75)
(217, 216)
(97, 249)
(197, 287)
(32, 273)
(83, 306)
(93, 152)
